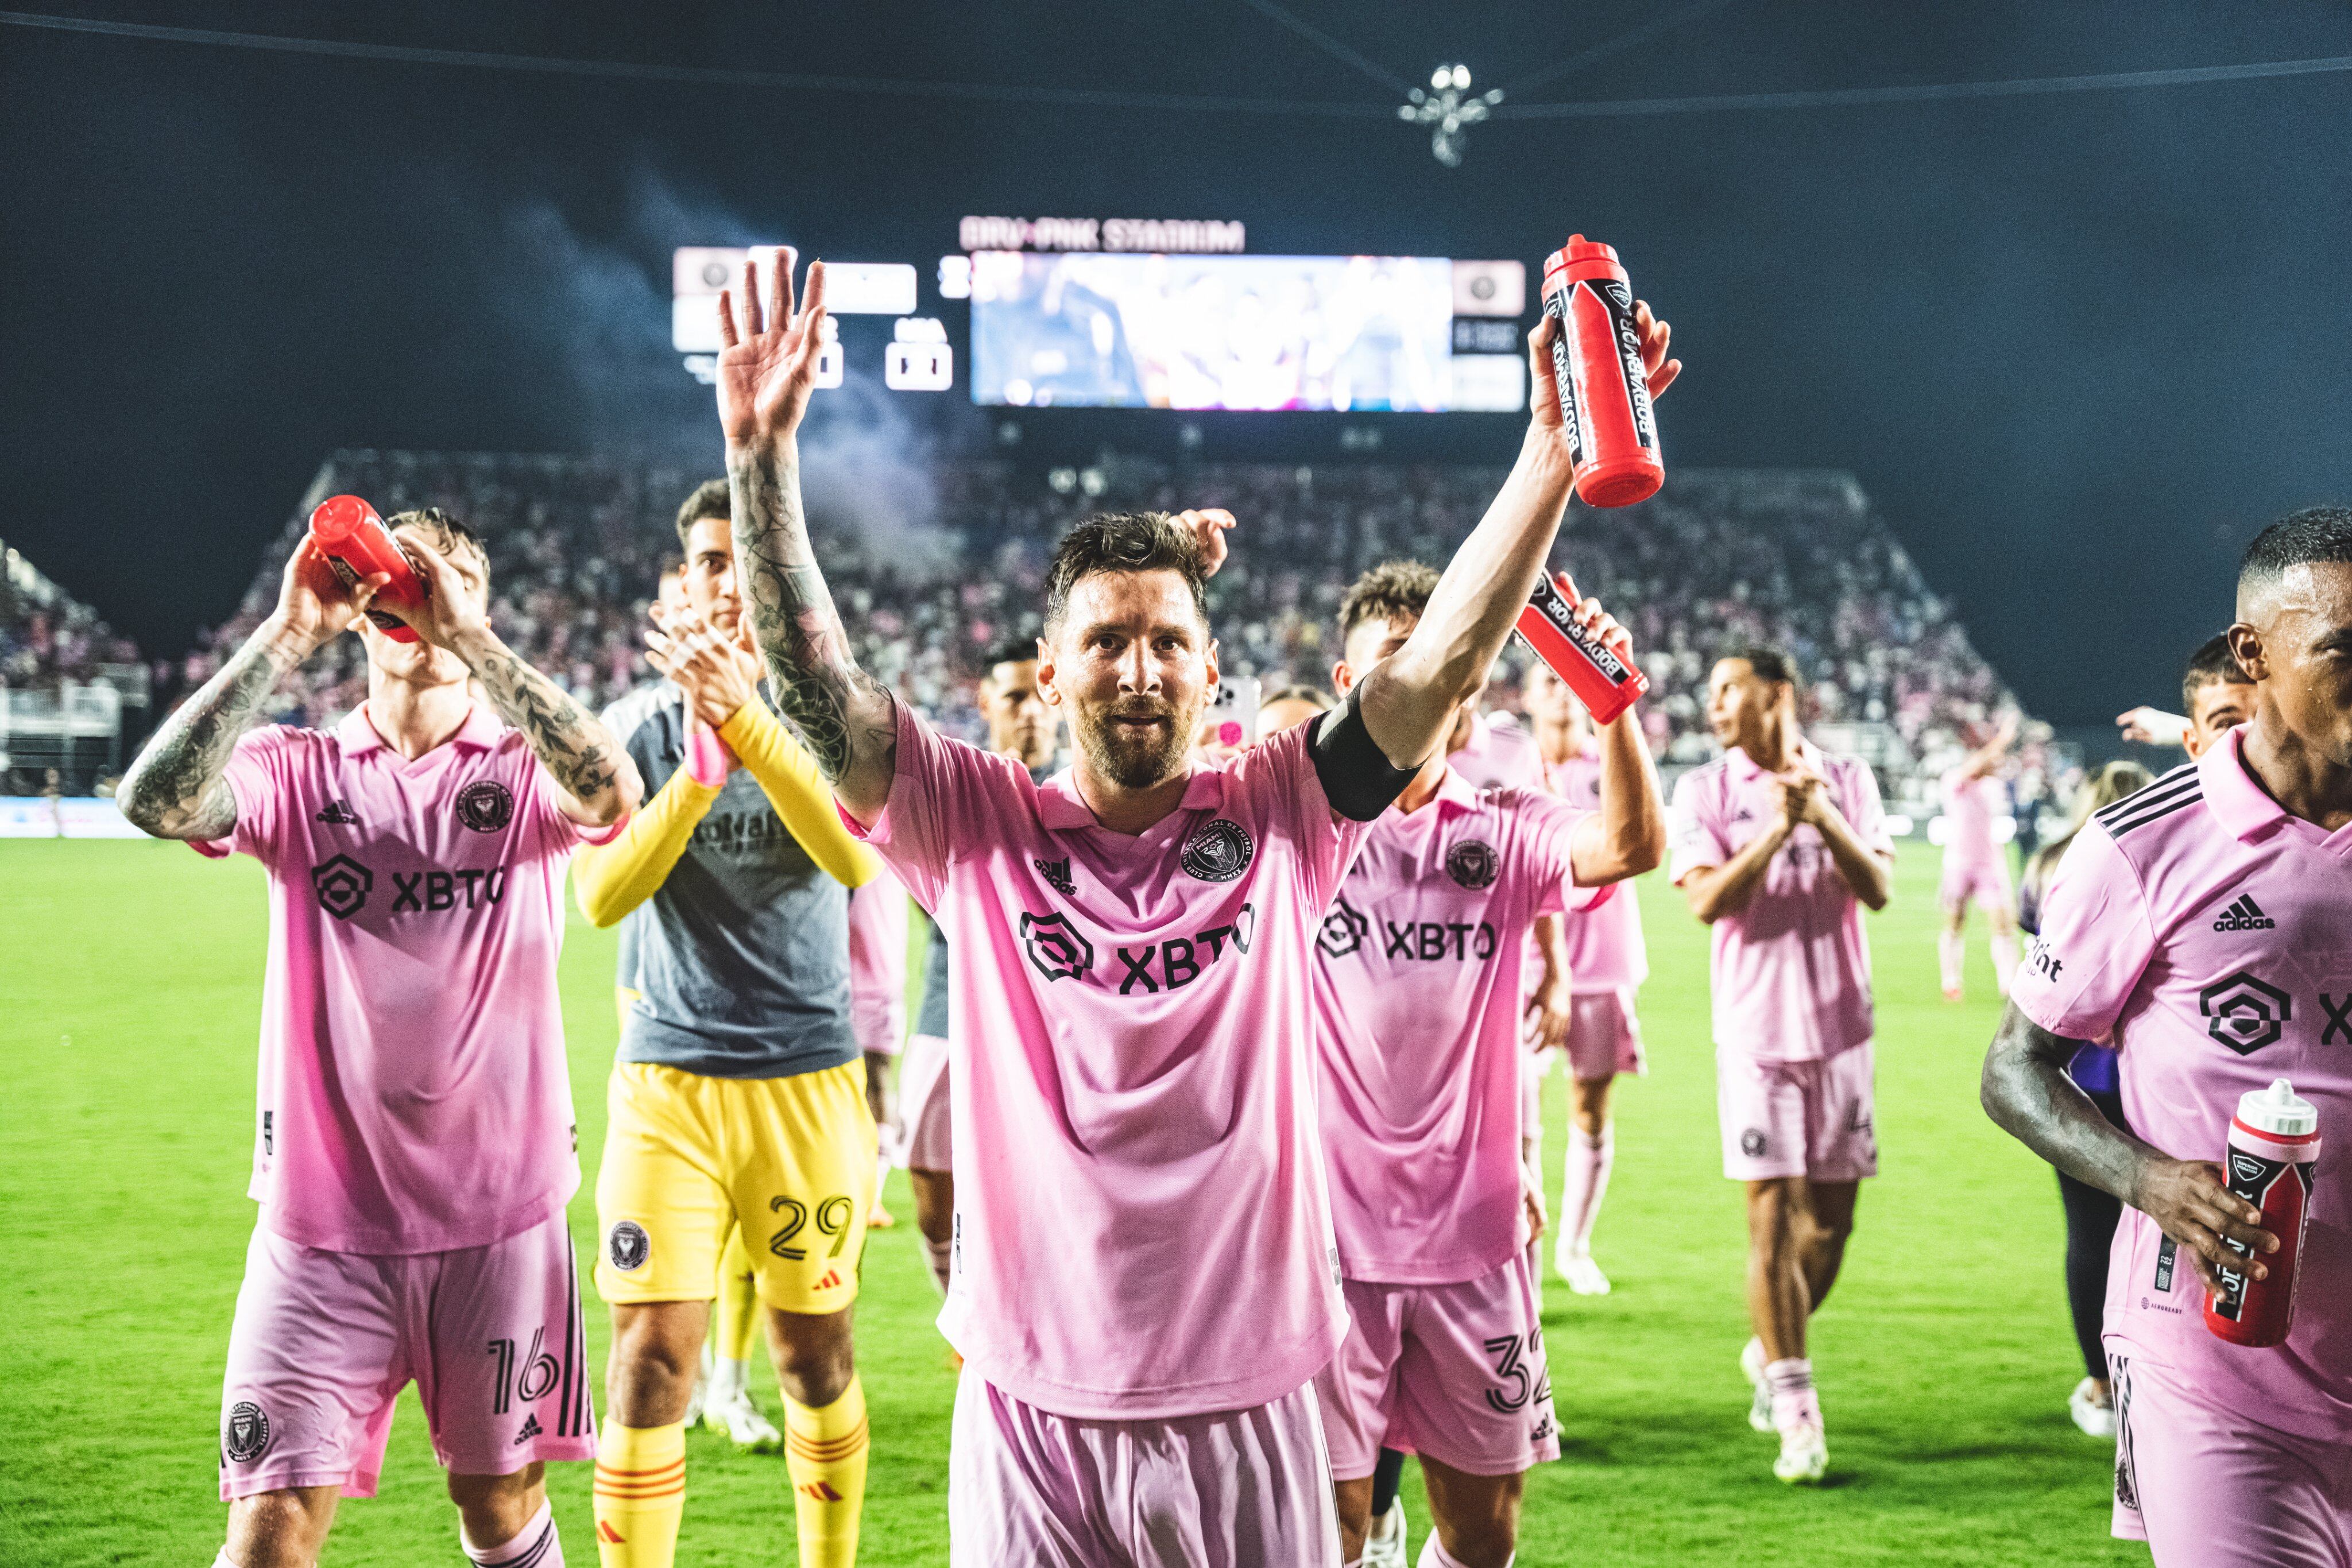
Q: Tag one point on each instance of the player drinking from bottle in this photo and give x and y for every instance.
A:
(414, 1151)
(1779, 846)
(1143, 1273)
(2202, 928)
(1418, 984)
(737, 1100)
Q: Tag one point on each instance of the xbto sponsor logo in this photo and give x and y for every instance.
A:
(2243, 1013)
(1432, 941)
(1344, 930)
(427, 891)
(1056, 948)
(342, 884)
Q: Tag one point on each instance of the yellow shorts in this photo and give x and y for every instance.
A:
(791, 1159)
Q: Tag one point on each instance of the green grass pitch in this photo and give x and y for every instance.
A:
(129, 990)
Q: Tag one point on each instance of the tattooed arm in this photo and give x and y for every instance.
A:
(766, 372)
(176, 788)
(600, 784)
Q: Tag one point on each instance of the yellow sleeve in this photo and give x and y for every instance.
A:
(789, 777)
(611, 879)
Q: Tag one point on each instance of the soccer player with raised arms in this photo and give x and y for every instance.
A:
(2202, 928)
(738, 1103)
(413, 1153)
(1418, 984)
(1144, 1276)
(1779, 846)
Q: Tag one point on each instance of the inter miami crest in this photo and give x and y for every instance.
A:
(628, 1245)
(1056, 947)
(486, 806)
(1472, 864)
(2243, 1013)
(1344, 930)
(244, 1435)
(1218, 850)
(344, 885)
(1752, 1143)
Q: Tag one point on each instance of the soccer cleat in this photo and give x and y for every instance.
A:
(879, 1217)
(2095, 1419)
(743, 1423)
(701, 1387)
(1952, 994)
(1804, 1455)
(1384, 1547)
(1584, 1275)
(1759, 1404)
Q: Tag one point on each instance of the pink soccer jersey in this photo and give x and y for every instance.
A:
(1417, 985)
(1971, 804)
(1499, 751)
(1790, 972)
(413, 1091)
(878, 964)
(1605, 948)
(1141, 1224)
(2208, 935)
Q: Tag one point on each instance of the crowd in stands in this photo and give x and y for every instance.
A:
(1718, 558)
(48, 638)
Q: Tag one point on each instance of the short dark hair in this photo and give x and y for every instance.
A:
(1122, 543)
(710, 499)
(1768, 662)
(1314, 696)
(1011, 650)
(2212, 662)
(2313, 534)
(1391, 588)
(449, 533)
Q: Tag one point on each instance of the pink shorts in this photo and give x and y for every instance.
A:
(928, 1142)
(1242, 1489)
(1455, 1373)
(1604, 1037)
(1987, 882)
(1807, 1119)
(324, 1341)
(2203, 1486)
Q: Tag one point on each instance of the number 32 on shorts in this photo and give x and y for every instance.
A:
(833, 1216)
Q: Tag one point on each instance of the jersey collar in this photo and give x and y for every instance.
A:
(2237, 802)
(1060, 807)
(1744, 767)
(357, 733)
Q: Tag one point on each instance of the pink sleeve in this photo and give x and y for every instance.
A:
(1549, 845)
(1865, 813)
(878, 964)
(262, 768)
(940, 793)
(1283, 770)
(543, 798)
(1696, 842)
(2096, 941)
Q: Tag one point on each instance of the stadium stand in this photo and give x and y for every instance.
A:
(1720, 557)
(64, 680)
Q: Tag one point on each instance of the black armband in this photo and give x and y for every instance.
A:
(1358, 778)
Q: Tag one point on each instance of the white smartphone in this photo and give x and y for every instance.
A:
(1232, 719)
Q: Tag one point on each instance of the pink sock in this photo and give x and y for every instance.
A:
(1951, 947)
(535, 1545)
(1794, 1402)
(1585, 1170)
(2004, 959)
(940, 1253)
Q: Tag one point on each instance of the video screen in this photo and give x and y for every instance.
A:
(1337, 332)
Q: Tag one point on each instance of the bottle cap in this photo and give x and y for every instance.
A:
(338, 518)
(1579, 248)
(2278, 1111)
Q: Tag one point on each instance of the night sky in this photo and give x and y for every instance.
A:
(2077, 347)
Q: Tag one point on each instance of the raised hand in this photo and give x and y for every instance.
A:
(457, 595)
(1208, 525)
(719, 675)
(313, 605)
(2153, 727)
(767, 360)
(1657, 369)
(1597, 624)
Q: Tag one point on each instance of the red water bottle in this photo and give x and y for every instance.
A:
(2273, 1142)
(358, 546)
(1606, 685)
(1596, 362)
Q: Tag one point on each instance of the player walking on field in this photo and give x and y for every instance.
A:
(2203, 928)
(414, 1151)
(1417, 988)
(1144, 1279)
(1606, 961)
(1020, 726)
(1975, 868)
(738, 1100)
(1779, 846)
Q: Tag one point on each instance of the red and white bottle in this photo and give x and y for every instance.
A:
(2273, 1143)
(358, 546)
(1596, 362)
(1605, 684)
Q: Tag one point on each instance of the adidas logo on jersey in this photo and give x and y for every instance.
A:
(531, 1428)
(2245, 914)
(831, 1282)
(338, 813)
(1057, 876)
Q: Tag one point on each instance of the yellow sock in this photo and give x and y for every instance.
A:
(825, 1451)
(640, 1494)
(739, 1300)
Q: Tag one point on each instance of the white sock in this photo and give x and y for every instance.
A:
(881, 1175)
(1585, 1168)
(1433, 1555)
(1951, 948)
(1793, 1398)
(940, 1254)
(535, 1545)
(222, 1561)
(2004, 959)
(728, 1377)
